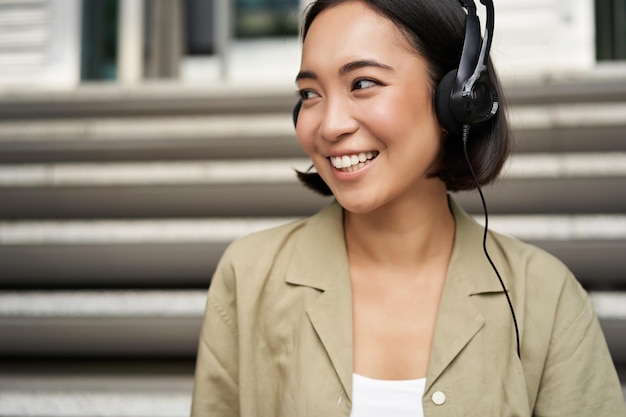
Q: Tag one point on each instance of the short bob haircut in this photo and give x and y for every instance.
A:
(435, 29)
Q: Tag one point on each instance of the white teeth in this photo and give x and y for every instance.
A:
(352, 162)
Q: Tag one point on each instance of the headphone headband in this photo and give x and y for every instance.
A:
(481, 64)
(471, 46)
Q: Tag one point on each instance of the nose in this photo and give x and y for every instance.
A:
(337, 119)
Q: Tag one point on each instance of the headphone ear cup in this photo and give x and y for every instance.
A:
(443, 104)
(296, 112)
(484, 101)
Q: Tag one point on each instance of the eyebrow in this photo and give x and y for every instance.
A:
(355, 65)
(350, 66)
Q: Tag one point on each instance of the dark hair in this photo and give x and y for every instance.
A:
(436, 30)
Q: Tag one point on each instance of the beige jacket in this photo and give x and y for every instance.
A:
(277, 334)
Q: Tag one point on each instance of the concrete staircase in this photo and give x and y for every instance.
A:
(116, 204)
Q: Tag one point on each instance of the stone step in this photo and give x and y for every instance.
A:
(154, 325)
(531, 183)
(184, 252)
(53, 402)
(101, 100)
(149, 324)
(549, 196)
(103, 395)
(597, 264)
(149, 99)
(569, 127)
(106, 387)
(171, 137)
(94, 375)
(63, 393)
(156, 231)
(538, 128)
(270, 171)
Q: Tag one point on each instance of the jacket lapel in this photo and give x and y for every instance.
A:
(331, 316)
(458, 321)
(320, 261)
(469, 274)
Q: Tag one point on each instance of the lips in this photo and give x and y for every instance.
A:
(352, 162)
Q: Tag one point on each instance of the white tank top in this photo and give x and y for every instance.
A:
(375, 398)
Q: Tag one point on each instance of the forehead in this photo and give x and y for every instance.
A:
(351, 30)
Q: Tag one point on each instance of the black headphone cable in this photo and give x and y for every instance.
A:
(466, 130)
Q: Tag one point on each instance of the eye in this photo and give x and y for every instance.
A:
(363, 83)
(307, 94)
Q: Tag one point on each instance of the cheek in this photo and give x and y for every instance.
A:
(304, 136)
(402, 115)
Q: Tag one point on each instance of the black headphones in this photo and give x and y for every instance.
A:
(466, 95)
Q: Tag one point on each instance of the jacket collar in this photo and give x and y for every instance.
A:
(320, 261)
(469, 274)
(468, 261)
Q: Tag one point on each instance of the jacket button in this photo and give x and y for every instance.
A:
(439, 397)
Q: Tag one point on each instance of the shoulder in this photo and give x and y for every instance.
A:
(268, 243)
(564, 352)
(254, 254)
(552, 298)
(246, 264)
(524, 267)
(530, 260)
(542, 288)
(539, 274)
(264, 242)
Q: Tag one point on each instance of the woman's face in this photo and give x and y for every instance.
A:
(367, 120)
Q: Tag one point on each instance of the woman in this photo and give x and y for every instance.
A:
(383, 303)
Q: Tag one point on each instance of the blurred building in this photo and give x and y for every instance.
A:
(62, 43)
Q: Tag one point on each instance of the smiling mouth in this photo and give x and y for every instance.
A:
(349, 163)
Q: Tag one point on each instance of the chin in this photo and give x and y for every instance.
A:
(356, 206)
(359, 198)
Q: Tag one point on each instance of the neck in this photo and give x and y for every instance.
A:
(402, 236)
